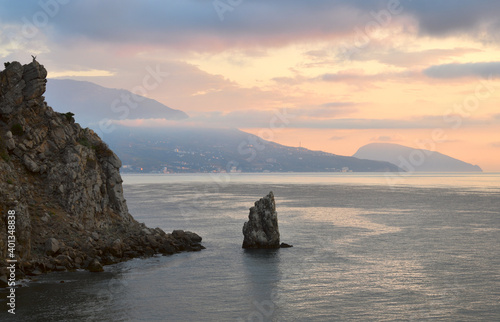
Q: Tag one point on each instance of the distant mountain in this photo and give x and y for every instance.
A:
(213, 150)
(411, 159)
(186, 149)
(92, 103)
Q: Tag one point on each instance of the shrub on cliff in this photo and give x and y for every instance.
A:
(84, 141)
(102, 150)
(17, 129)
(70, 117)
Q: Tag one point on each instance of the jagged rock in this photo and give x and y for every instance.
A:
(167, 248)
(52, 246)
(261, 229)
(30, 164)
(64, 182)
(34, 75)
(116, 248)
(63, 260)
(95, 266)
(186, 240)
(10, 144)
(11, 87)
(187, 236)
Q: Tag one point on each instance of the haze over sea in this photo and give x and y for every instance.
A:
(424, 246)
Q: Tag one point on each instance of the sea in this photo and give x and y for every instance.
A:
(367, 247)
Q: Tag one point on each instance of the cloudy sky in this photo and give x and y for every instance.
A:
(326, 75)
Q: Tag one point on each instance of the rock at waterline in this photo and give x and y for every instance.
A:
(95, 266)
(261, 229)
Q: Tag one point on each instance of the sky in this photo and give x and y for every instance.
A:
(323, 75)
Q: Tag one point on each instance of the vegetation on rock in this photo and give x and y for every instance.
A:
(17, 129)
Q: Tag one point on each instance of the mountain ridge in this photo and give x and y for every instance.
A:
(411, 160)
(188, 150)
(92, 103)
(222, 150)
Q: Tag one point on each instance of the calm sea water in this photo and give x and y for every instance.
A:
(366, 247)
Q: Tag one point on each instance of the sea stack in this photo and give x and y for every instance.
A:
(261, 229)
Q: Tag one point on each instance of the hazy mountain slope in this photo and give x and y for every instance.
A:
(413, 159)
(186, 149)
(92, 103)
(206, 150)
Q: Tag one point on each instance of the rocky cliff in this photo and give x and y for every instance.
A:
(65, 187)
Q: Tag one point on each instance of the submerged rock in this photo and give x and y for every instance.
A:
(261, 229)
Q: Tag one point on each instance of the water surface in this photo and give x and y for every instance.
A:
(425, 248)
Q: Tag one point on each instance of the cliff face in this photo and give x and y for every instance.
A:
(64, 184)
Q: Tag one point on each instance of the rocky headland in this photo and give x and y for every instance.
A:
(64, 185)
